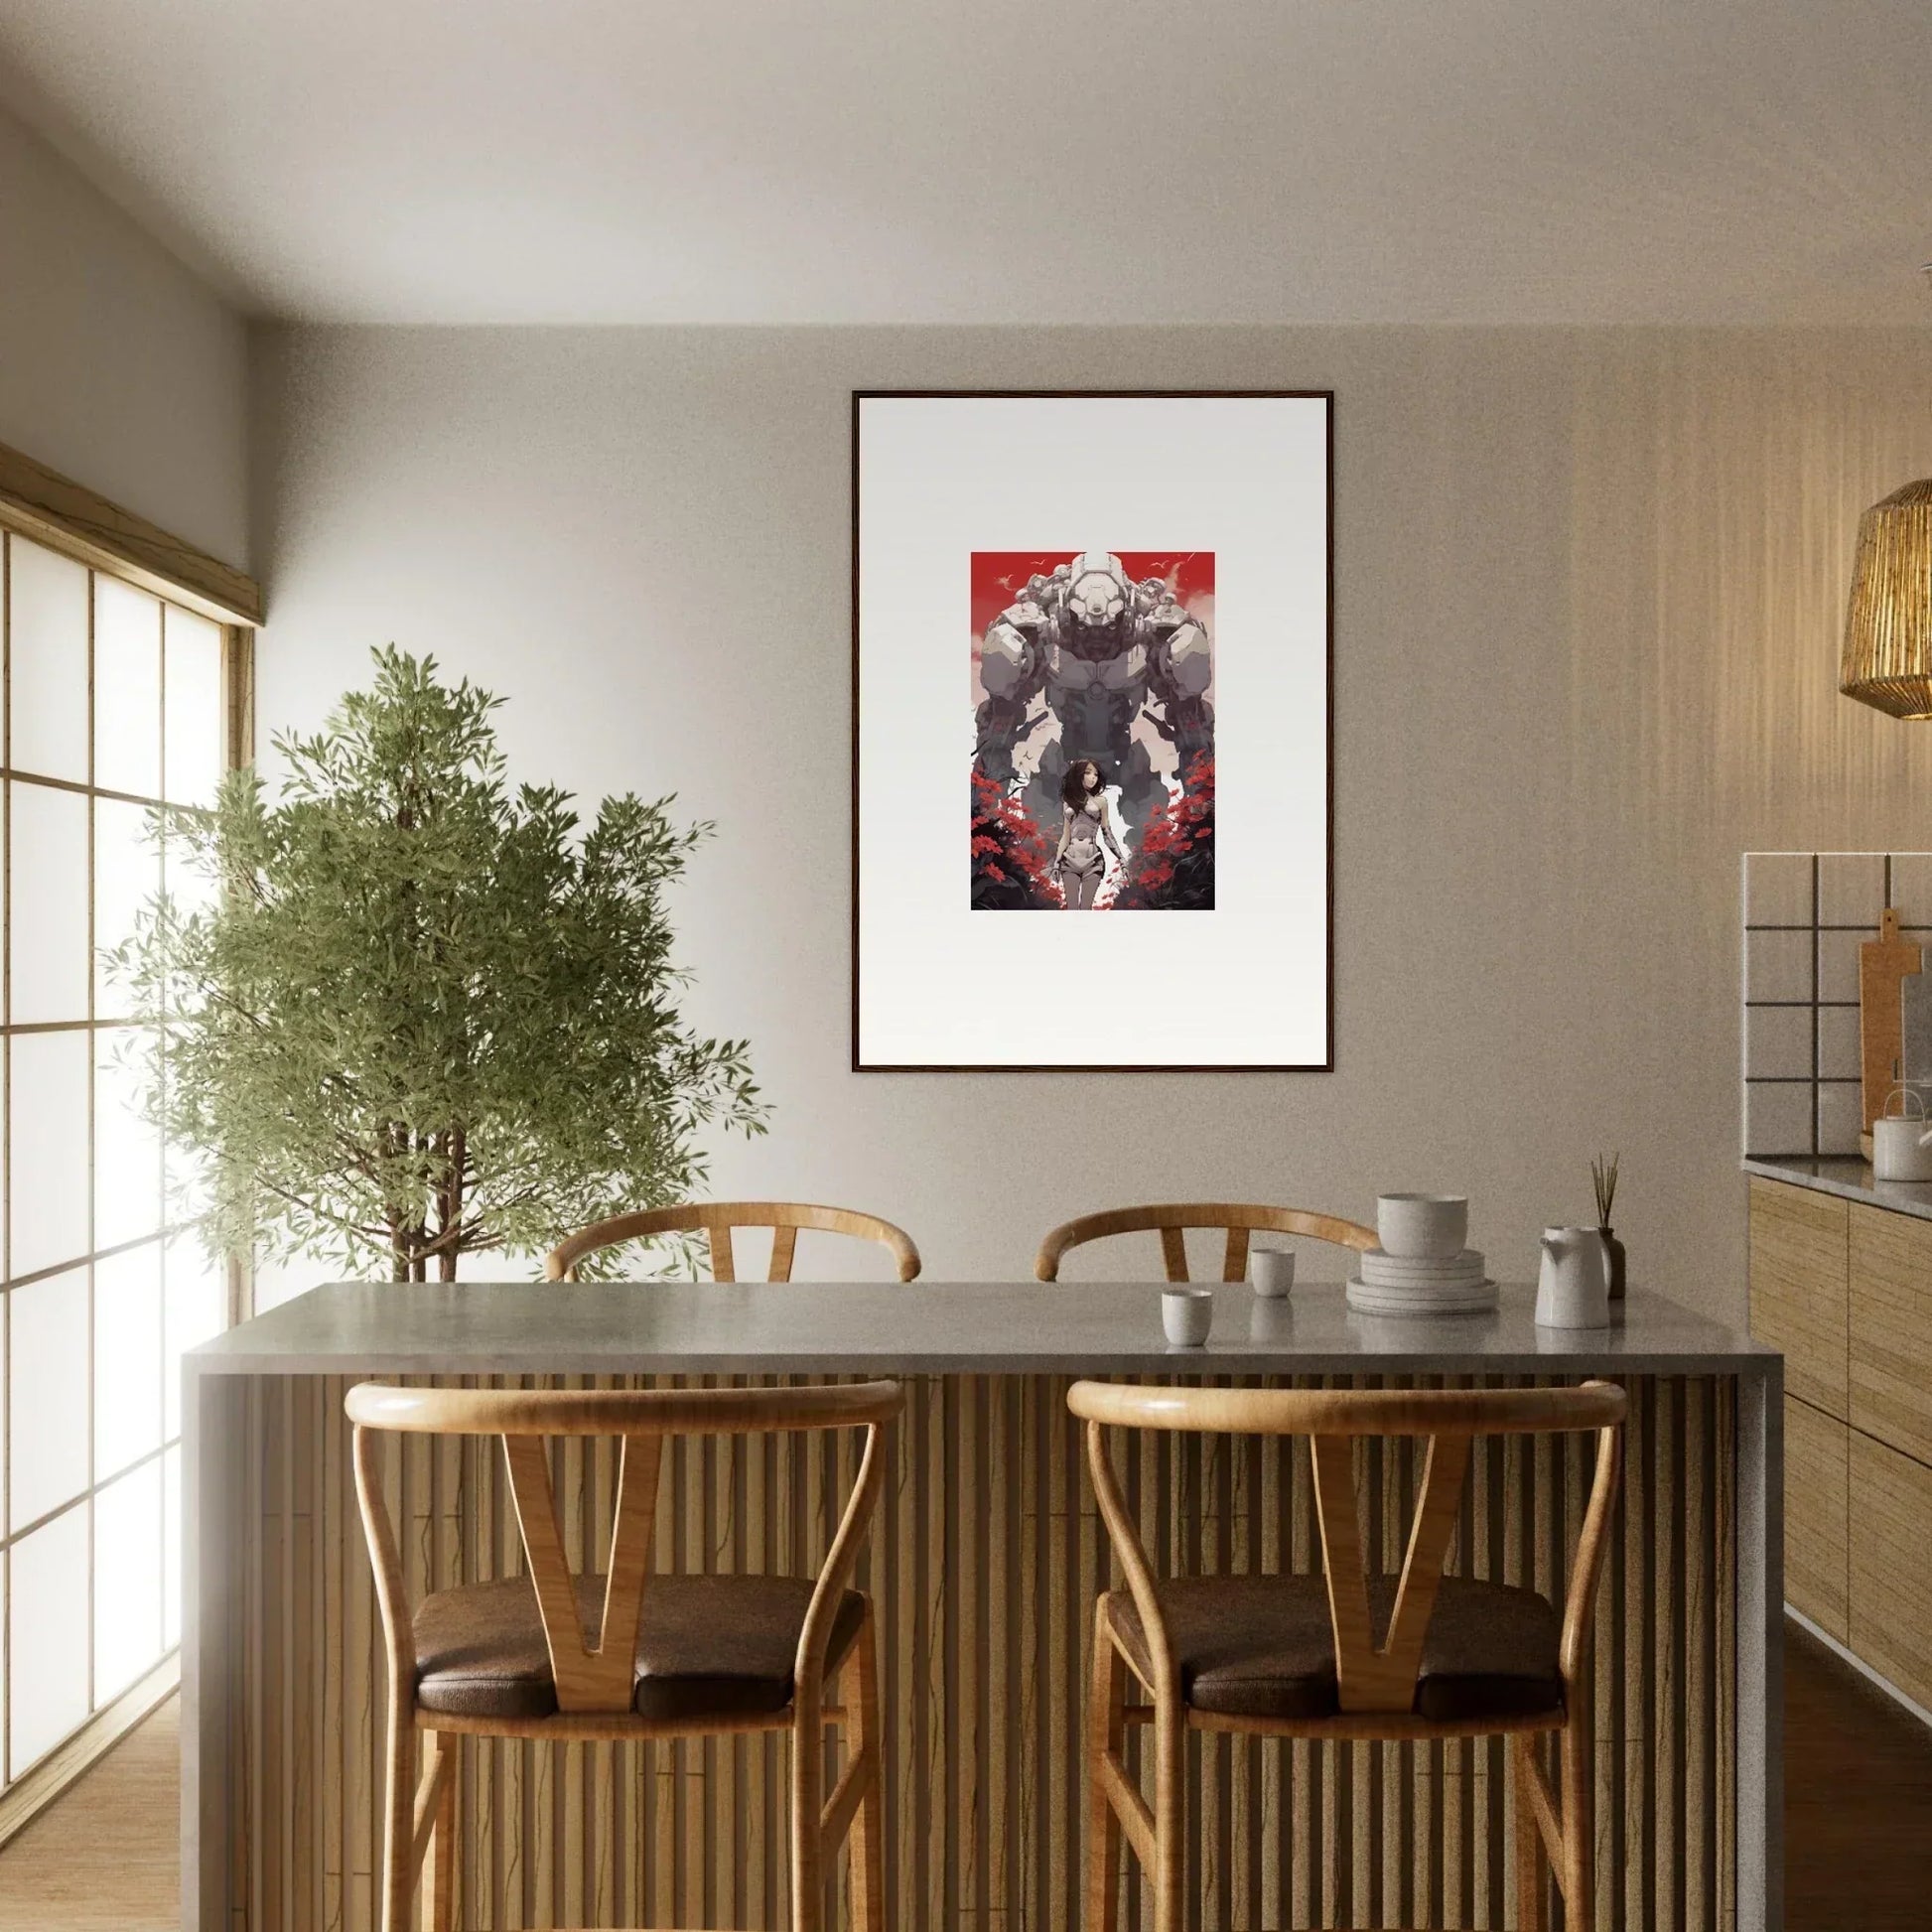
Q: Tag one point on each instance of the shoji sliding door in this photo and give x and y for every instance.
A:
(115, 700)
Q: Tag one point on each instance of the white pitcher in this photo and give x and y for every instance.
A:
(1572, 1291)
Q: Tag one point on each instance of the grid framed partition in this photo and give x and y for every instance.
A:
(116, 696)
(1806, 915)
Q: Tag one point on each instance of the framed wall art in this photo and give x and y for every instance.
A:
(1091, 730)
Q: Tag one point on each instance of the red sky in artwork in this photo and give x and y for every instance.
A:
(999, 576)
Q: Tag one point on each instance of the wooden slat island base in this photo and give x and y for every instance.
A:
(984, 1561)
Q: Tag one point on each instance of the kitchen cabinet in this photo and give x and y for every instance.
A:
(1799, 1289)
(1891, 1329)
(1817, 1451)
(1891, 1566)
(1841, 1281)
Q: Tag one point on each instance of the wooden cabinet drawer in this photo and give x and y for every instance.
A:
(1891, 1329)
(1891, 1566)
(1816, 1558)
(1797, 1288)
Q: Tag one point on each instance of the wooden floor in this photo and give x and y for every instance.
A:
(1858, 1820)
(1858, 1800)
(107, 1856)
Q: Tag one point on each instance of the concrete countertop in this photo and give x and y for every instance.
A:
(1848, 1178)
(933, 1328)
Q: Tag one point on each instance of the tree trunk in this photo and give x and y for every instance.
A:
(456, 1154)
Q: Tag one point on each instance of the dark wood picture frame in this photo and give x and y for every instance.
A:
(1326, 396)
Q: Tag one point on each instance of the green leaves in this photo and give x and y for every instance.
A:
(428, 1016)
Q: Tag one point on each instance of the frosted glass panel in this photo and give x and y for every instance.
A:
(48, 838)
(171, 1548)
(128, 1581)
(190, 887)
(127, 1358)
(196, 1309)
(185, 1184)
(47, 1111)
(114, 691)
(46, 1394)
(194, 709)
(127, 1152)
(127, 689)
(48, 668)
(127, 876)
(47, 1627)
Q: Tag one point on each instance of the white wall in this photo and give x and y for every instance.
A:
(117, 367)
(1589, 593)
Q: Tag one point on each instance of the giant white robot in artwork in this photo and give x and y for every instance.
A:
(1091, 650)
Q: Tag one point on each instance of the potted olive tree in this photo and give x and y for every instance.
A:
(420, 1015)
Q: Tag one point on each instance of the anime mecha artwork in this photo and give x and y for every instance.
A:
(1093, 731)
(1087, 742)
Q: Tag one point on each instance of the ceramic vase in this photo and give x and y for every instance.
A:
(1615, 1249)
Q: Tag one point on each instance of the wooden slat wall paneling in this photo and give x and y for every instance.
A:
(1799, 1289)
(985, 1559)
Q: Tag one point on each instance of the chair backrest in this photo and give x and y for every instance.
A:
(595, 1676)
(1372, 1674)
(716, 1219)
(1175, 1218)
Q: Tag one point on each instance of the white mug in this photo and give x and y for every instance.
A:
(1572, 1289)
(1273, 1270)
(1419, 1226)
(1188, 1314)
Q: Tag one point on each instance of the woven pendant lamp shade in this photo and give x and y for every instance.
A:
(1888, 658)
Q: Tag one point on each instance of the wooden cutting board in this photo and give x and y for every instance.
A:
(1884, 963)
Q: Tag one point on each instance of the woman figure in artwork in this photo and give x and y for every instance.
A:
(1080, 865)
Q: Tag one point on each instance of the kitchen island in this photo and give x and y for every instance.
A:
(985, 1559)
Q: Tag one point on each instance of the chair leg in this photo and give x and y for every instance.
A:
(807, 1801)
(861, 1698)
(1576, 1774)
(1532, 1886)
(1169, 1811)
(439, 1896)
(399, 1819)
(1106, 1734)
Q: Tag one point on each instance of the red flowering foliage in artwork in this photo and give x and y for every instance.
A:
(1172, 870)
(1008, 853)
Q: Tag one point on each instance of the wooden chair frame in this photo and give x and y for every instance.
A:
(717, 1219)
(1376, 1678)
(1172, 1219)
(594, 1683)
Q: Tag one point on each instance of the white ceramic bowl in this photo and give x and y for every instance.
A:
(1188, 1314)
(1412, 1225)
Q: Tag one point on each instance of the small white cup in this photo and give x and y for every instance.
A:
(1423, 1226)
(1188, 1314)
(1272, 1271)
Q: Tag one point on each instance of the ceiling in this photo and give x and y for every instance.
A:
(1009, 161)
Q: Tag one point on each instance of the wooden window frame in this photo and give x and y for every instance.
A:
(44, 507)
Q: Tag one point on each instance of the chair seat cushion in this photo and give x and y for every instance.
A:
(1263, 1647)
(710, 1646)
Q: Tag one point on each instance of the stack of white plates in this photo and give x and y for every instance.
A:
(1422, 1285)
